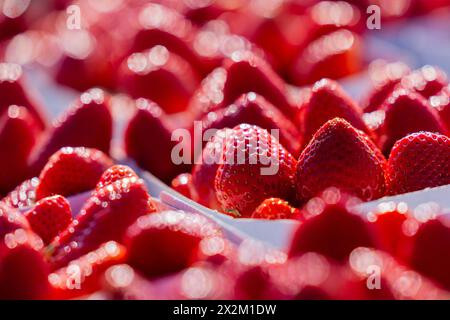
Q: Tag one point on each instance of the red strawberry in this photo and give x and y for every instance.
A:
(165, 71)
(87, 123)
(427, 81)
(341, 156)
(406, 112)
(332, 228)
(327, 101)
(24, 195)
(104, 217)
(115, 173)
(253, 109)
(224, 85)
(255, 166)
(385, 77)
(419, 161)
(84, 275)
(72, 170)
(333, 56)
(10, 220)
(166, 242)
(275, 208)
(18, 132)
(441, 102)
(49, 217)
(23, 270)
(148, 141)
(183, 184)
(14, 92)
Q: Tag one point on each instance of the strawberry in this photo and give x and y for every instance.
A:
(24, 195)
(441, 102)
(340, 156)
(115, 173)
(104, 217)
(406, 112)
(88, 123)
(427, 81)
(152, 154)
(385, 77)
(331, 227)
(16, 124)
(166, 242)
(183, 184)
(254, 167)
(85, 274)
(224, 85)
(275, 208)
(14, 91)
(418, 161)
(49, 217)
(72, 170)
(326, 101)
(333, 56)
(254, 109)
(167, 72)
(10, 220)
(23, 270)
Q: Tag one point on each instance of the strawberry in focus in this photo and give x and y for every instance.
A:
(274, 208)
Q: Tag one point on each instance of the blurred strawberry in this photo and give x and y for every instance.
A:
(88, 123)
(157, 74)
(406, 112)
(255, 167)
(441, 102)
(115, 173)
(72, 170)
(10, 220)
(24, 195)
(418, 161)
(340, 156)
(331, 227)
(104, 217)
(166, 242)
(275, 208)
(18, 134)
(148, 141)
(183, 184)
(326, 101)
(49, 217)
(427, 81)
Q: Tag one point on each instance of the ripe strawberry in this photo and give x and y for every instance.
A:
(333, 56)
(331, 227)
(87, 123)
(115, 173)
(23, 270)
(104, 217)
(326, 101)
(84, 275)
(418, 161)
(224, 85)
(340, 156)
(14, 91)
(49, 217)
(24, 195)
(148, 141)
(441, 102)
(166, 242)
(427, 81)
(406, 112)
(275, 208)
(10, 220)
(255, 167)
(72, 170)
(167, 72)
(183, 184)
(18, 132)
(253, 109)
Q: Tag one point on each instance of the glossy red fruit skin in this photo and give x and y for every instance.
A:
(333, 230)
(23, 269)
(72, 170)
(14, 91)
(183, 184)
(241, 185)
(23, 196)
(426, 81)
(49, 217)
(87, 123)
(104, 217)
(148, 141)
(418, 161)
(340, 156)
(254, 109)
(167, 73)
(274, 208)
(18, 135)
(406, 112)
(326, 101)
(115, 173)
(10, 220)
(166, 242)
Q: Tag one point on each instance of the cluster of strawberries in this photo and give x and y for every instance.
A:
(73, 224)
